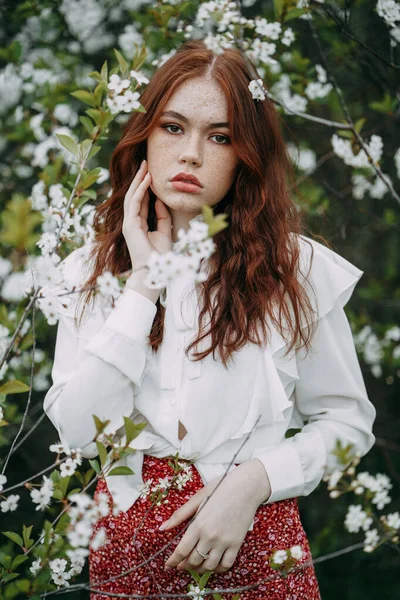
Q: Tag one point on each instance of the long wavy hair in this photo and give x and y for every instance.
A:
(254, 267)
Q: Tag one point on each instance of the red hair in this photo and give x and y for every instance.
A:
(256, 259)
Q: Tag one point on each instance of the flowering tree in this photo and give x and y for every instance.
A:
(61, 106)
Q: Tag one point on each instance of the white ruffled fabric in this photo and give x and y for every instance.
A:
(108, 365)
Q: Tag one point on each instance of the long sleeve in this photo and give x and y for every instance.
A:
(330, 395)
(103, 380)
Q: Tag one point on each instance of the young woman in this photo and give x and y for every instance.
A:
(275, 352)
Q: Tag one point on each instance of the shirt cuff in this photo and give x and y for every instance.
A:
(132, 316)
(284, 470)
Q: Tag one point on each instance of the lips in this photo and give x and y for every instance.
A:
(188, 178)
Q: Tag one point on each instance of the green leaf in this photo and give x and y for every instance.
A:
(100, 89)
(85, 146)
(17, 539)
(95, 465)
(102, 452)
(95, 75)
(18, 560)
(23, 585)
(14, 387)
(130, 430)
(68, 143)
(5, 560)
(279, 5)
(90, 178)
(87, 123)
(85, 97)
(19, 222)
(58, 495)
(122, 63)
(104, 72)
(293, 14)
(90, 194)
(358, 125)
(100, 425)
(121, 471)
(204, 578)
(387, 105)
(96, 115)
(94, 151)
(64, 484)
(26, 534)
(10, 576)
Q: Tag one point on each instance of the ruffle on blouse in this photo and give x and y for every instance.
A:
(333, 279)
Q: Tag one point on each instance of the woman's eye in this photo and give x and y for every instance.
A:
(217, 135)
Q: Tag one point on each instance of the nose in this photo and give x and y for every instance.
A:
(191, 151)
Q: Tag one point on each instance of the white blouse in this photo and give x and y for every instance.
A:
(107, 368)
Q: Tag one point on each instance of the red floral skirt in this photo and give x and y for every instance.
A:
(133, 537)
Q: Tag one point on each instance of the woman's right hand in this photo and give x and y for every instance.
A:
(140, 241)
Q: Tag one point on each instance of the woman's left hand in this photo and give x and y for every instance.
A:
(221, 526)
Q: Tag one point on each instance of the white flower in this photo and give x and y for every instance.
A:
(270, 30)
(393, 520)
(280, 556)
(60, 448)
(42, 497)
(343, 149)
(61, 578)
(256, 88)
(65, 114)
(381, 498)
(117, 84)
(371, 540)
(5, 267)
(296, 552)
(108, 285)
(58, 565)
(35, 568)
(47, 243)
(164, 483)
(68, 467)
(104, 175)
(80, 535)
(10, 504)
(99, 539)
(16, 286)
(288, 37)
(334, 479)
(1, 414)
(356, 518)
(38, 198)
(3, 481)
(389, 10)
(140, 78)
(144, 488)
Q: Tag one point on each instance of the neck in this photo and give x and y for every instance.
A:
(180, 220)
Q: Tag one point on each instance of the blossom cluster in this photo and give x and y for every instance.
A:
(372, 348)
(121, 97)
(158, 492)
(373, 492)
(186, 258)
(285, 558)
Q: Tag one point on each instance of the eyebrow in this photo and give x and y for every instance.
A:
(172, 113)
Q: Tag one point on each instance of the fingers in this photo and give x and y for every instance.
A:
(163, 218)
(134, 195)
(183, 512)
(184, 548)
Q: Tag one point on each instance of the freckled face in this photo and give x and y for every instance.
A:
(194, 147)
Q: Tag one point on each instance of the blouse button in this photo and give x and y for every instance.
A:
(172, 401)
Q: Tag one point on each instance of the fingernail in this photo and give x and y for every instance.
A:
(143, 161)
(163, 525)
